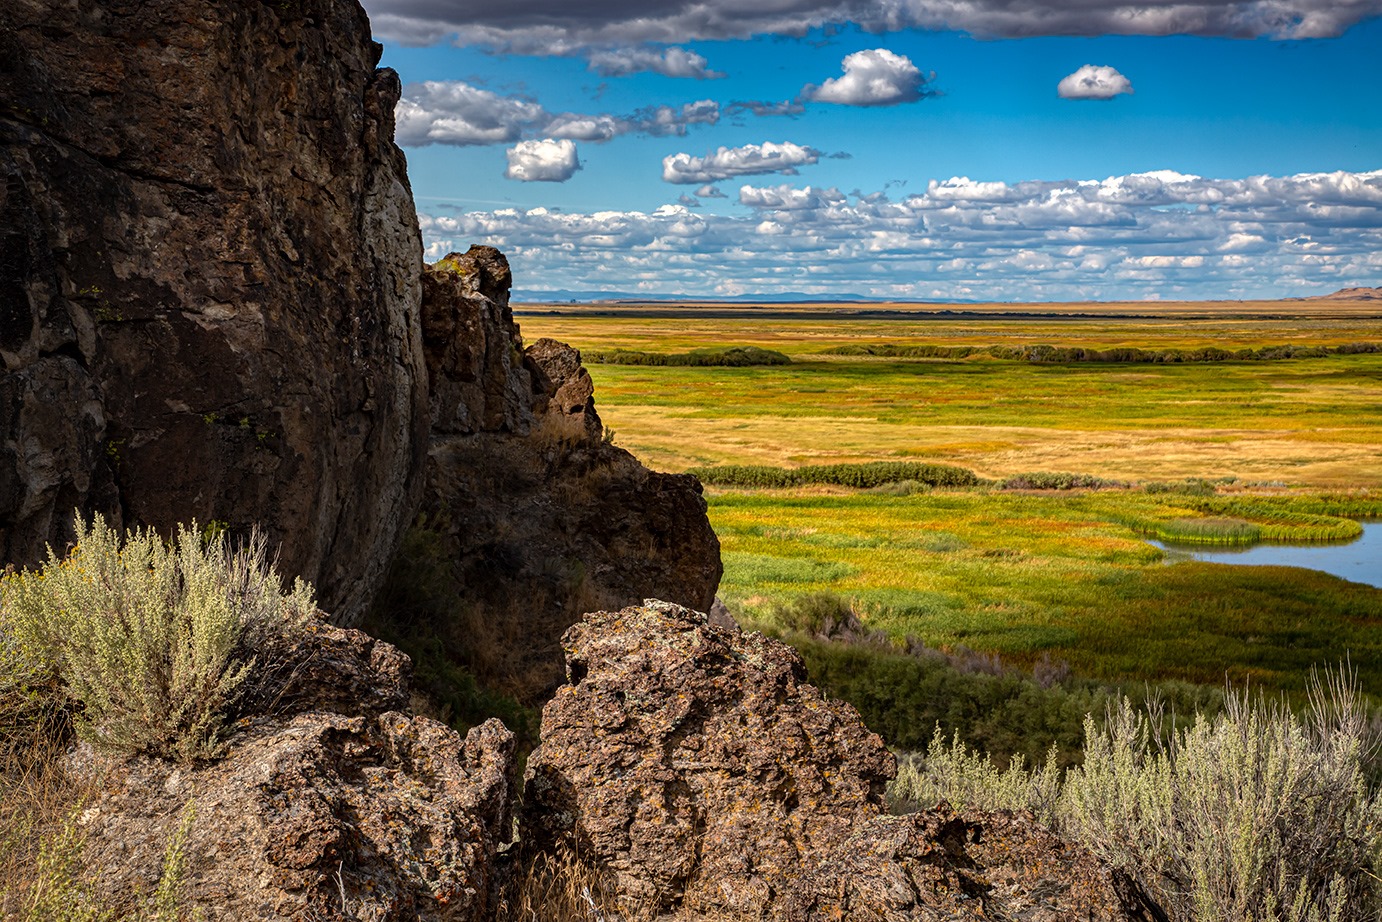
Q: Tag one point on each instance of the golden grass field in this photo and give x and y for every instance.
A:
(1027, 575)
(1309, 422)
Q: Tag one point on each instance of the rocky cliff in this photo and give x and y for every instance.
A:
(539, 517)
(209, 281)
(213, 305)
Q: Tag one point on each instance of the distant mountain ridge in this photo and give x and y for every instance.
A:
(1350, 294)
(566, 295)
(554, 296)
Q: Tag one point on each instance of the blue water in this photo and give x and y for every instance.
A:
(1359, 561)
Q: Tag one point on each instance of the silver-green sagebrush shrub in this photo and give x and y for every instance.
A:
(1257, 814)
(155, 642)
(965, 778)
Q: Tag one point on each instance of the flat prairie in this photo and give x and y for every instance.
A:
(1309, 422)
(1288, 448)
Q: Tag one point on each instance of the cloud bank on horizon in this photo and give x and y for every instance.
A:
(575, 128)
(1152, 235)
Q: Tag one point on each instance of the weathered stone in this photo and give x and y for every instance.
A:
(542, 519)
(941, 865)
(209, 281)
(693, 766)
(329, 808)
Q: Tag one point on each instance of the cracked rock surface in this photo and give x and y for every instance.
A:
(696, 769)
(209, 281)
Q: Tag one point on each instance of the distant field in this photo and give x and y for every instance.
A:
(1309, 422)
(1028, 574)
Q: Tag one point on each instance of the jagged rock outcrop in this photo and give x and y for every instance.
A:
(694, 766)
(209, 281)
(337, 805)
(542, 519)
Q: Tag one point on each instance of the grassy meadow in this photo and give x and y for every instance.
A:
(1309, 422)
(1225, 451)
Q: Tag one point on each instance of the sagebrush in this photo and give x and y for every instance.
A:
(1254, 814)
(151, 643)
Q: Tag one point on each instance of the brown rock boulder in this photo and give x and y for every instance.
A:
(695, 764)
(538, 517)
(209, 281)
(337, 806)
(941, 865)
(694, 767)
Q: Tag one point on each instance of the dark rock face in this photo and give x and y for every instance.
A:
(694, 766)
(209, 281)
(544, 520)
(336, 806)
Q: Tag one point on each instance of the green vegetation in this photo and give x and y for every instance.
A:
(1040, 565)
(418, 611)
(140, 645)
(1254, 813)
(906, 689)
(727, 357)
(1313, 423)
(876, 474)
(1027, 576)
(1065, 355)
(153, 645)
(1059, 481)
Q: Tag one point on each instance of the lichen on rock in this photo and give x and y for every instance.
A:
(694, 766)
(335, 804)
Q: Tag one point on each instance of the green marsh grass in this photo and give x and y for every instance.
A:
(1056, 565)
(1030, 575)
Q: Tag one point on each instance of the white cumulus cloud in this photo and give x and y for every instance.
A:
(1094, 81)
(458, 113)
(670, 62)
(874, 77)
(455, 112)
(749, 160)
(547, 160)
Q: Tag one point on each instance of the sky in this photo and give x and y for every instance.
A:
(987, 150)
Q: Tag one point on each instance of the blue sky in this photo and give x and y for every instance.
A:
(921, 149)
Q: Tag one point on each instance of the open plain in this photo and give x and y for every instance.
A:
(1282, 448)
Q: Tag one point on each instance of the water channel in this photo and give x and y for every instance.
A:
(1359, 561)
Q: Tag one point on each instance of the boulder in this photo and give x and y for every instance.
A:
(693, 766)
(209, 281)
(335, 805)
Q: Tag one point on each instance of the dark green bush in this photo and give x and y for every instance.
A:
(727, 357)
(904, 697)
(1058, 481)
(413, 611)
(1066, 355)
(861, 476)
